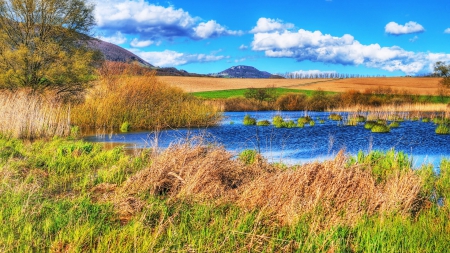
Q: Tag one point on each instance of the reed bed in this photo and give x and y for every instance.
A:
(128, 93)
(29, 115)
(329, 193)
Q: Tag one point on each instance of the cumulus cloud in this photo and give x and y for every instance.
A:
(118, 38)
(212, 29)
(152, 21)
(270, 25)
(168, 58)
(447, 30)
(314, 46)
(141, 43)
(410, 27)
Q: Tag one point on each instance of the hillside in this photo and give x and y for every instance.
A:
(242, 71)
(113, 52)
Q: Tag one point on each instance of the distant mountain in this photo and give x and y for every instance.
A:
(113, 52)
(244, 72)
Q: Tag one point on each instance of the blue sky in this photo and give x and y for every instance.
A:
(384, 37)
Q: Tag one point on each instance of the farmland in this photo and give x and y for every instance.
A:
(414, 85)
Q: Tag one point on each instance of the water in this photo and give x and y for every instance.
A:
(299, 145)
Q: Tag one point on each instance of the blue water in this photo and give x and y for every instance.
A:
(299, 145)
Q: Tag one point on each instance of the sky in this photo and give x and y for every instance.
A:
(383, 37)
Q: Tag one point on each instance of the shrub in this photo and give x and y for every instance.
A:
(249, 121)
(394, 124)
(291, 102)
(263, 123)
(125, 127)
(369, 124)
(277, 121)
(335, 117)
(442, 129)
(380, 128)
(136, 96)
(248, 156)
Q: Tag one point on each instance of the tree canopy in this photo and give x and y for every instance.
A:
(43, 44)
(443, 70)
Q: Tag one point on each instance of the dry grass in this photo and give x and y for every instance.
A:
(327, 193)
(416, 85)
(129, 93)
(416, 107)
(29, 116)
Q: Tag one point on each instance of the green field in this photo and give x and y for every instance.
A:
(241, 92)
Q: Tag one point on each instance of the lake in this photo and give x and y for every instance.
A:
(298, 145)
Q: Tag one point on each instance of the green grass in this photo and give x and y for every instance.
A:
(241, 92)
(47, 205)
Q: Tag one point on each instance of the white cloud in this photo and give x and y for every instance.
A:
(212, 29)
(118, 38)
(153, 21)
(317, 47)
(141, 43)
(168, 58)
(270, 25)
(240, 60)
(410, 27)
(447, 30)
(414, 39)
(243, 47)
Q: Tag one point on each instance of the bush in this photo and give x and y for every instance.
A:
(335, 117)
(394, 124)
(369, 124)
(277, 121)
(291, 102)
(263, 123)
(136, 96)
(125, 127)
(248, 156)
(380, 128)
(249, 121)
(442, 129)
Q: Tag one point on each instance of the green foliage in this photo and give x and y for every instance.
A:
(266, 94)
(248, 156)
(380, 128)
(335, 117)
(442, 129)
(394, 124)
(249, 121)
(425, 120)
(277, 121)
(383, 164)
(125, 127)
(43, 45)
(263, 123)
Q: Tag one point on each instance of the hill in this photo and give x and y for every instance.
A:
(242, 71)
(113, 52)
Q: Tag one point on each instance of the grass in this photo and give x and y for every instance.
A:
(72, 196)
(30, 116)
(241, 93)
(135, 96)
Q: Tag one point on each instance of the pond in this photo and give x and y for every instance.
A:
(299, 145)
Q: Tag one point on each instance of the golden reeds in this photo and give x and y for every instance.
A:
(27, 115)
(328, 193)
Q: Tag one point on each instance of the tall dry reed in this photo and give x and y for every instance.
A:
(28, 115)
(132, 94)
(326, 193)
